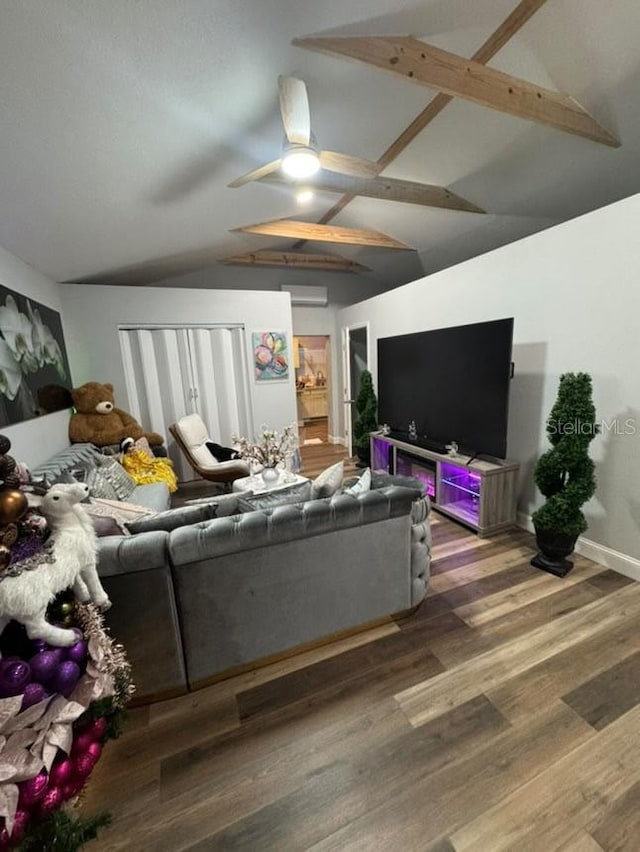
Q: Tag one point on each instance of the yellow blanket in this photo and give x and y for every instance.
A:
(145, 468)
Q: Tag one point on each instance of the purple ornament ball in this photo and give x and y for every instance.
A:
(33, 789)
(39, 645)
(77, 653)
(72, 789)
(45, 665)
(83, 766)
(66, 678)
(61, 773)
(14, 676)
(94, 751)
(34, 693)
(97, 728)
(50, 802)
(81, 743)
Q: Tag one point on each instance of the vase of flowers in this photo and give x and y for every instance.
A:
(269, 452)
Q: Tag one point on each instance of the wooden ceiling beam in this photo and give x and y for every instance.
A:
(322, 233)
(295, 260)
(503, 34)
(454, 75)
(387, 189)
(487, 50)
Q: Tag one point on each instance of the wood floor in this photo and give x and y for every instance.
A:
(504, 714)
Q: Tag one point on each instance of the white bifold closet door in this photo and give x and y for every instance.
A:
(173, 371)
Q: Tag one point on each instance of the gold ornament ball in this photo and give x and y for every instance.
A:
(13, 505)
(66, 608)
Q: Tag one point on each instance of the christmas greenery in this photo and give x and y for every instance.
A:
(565, 473)
(62, 832)
(367, 417)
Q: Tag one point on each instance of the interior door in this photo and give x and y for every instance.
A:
(355, 352)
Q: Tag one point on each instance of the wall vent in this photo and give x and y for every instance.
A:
(306, 295)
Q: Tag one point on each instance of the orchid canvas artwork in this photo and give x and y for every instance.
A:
(34, 370)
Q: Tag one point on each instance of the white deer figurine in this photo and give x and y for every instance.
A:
(25, 597)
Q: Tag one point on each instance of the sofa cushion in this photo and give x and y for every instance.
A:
(174, 518)
(328, 482)
(362, 484)
(111, 469)
(100, 485)
(153, 495)
(104, 525)
(118, 512)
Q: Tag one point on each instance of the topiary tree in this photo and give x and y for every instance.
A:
(367, 418)
(565, 473)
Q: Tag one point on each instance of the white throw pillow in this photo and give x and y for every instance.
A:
(328, 482)
(362, 485)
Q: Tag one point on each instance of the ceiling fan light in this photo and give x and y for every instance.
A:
(304, 195)
(300, 162)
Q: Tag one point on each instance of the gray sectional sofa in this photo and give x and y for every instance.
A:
(203, 599)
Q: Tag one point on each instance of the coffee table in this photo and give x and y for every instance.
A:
(288, 488)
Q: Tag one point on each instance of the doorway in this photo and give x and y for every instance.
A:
(355, 359)
(312, 361)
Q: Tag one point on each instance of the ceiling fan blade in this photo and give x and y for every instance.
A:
(346, 164)
(294, 107)
(256, 174)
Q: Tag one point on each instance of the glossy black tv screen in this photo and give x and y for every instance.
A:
(452, 382)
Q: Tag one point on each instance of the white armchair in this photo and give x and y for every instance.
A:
(191, 436)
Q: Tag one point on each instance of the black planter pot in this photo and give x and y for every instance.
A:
(554, 548)
(364, 457)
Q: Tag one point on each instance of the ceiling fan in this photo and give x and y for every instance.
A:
(301, 157)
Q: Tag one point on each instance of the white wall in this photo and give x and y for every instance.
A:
(93, 314)
(575, 294)
(35, 440)
(342, 288)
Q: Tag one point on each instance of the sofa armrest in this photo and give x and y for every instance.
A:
(122, 554)
(420, 549)
(136, 575)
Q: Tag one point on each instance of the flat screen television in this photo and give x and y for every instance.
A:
(452, 382)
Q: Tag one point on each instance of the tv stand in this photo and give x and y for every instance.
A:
(478, 493)
(422, 442)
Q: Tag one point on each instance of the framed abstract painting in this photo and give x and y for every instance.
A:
(34, 371)
(270, 355)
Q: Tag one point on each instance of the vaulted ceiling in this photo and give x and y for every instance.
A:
(123, 124)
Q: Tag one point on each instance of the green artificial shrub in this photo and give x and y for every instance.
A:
(565, 473)
(367, 418)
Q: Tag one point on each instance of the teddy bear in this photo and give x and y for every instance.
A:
(97, 421)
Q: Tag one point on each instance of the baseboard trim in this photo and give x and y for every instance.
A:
(600, 553)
